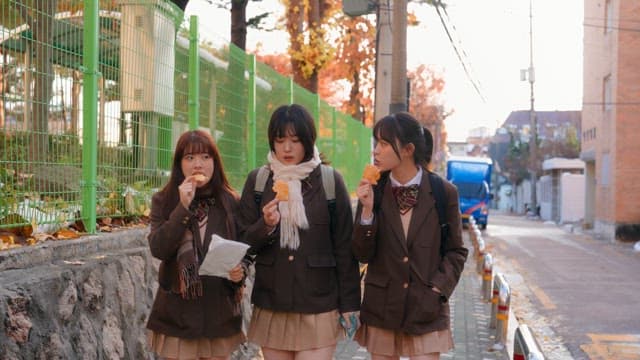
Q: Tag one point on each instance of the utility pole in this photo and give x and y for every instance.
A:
(533, 141)
(383, 59)
(399, 60)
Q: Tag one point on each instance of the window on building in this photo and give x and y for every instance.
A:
(607, 93)
(608, 16)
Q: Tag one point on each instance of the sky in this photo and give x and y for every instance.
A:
(492, 38)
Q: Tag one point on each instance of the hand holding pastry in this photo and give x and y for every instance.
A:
(281, 189)
(371, 173)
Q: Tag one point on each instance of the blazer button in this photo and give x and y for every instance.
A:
(405, 285)
(290, 257)
(405, 259)
(368, 232)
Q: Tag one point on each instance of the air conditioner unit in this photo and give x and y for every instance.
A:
(147, 56)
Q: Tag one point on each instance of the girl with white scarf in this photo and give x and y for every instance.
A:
(307, 278)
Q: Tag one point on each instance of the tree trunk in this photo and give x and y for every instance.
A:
(355, 105)
(239, 23)
(295, 21)
(75, 101)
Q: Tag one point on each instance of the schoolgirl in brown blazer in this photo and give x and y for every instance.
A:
(306, 275)
(193, 316)
(410, 276)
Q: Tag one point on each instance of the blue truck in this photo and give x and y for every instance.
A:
(472, 177)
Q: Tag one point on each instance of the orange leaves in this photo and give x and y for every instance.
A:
(426, 87)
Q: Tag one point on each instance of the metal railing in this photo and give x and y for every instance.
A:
(95, 94)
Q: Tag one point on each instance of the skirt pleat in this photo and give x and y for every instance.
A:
(386, 342)
(294, 331)
(185, 349)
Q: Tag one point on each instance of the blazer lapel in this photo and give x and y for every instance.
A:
(422, 209)
(390, 209)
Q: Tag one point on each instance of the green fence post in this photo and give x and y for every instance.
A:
(334, 135)
(316, 111)
(90, 115)
(291, 90)
(251, 115)
(194, 74)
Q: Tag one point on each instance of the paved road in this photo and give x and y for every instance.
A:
(579, 294)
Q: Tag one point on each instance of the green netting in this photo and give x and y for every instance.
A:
(143, 104)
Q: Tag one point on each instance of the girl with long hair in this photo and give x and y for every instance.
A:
(194, 316)
(412, 268)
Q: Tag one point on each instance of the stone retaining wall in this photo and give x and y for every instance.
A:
(87, 298)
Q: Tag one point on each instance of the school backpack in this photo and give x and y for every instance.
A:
(437, 188)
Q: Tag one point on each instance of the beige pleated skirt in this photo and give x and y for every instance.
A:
(294, 331)
(380, 341)
(177, 348)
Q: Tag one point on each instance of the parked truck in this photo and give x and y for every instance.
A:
(472, 177)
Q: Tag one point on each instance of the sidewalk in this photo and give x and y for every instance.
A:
(469, 320)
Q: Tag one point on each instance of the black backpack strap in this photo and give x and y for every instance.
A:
(439, 194)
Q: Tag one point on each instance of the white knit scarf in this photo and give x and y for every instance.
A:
(292, 212)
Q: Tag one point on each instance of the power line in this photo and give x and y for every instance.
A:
(437, 5)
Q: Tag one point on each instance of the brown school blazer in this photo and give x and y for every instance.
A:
(322, 274)
(216, 313)
(401, 272)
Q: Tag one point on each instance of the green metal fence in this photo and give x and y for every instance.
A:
(94, 97)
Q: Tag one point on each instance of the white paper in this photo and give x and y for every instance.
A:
(223, 256)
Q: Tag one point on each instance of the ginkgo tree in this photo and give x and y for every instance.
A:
(352, 70)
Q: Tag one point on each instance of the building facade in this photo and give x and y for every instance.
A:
(611, 118)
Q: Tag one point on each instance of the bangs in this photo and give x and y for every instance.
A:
(197, 146)
(385, 130)
(284, 128)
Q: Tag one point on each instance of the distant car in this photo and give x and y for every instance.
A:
(472, 177)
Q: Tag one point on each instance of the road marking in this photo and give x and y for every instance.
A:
(542, 296)
(613, 346)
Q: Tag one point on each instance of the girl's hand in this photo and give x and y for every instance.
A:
(271, 214)
(365, 195)
(187, 191)
(236, 274)
(350, 321)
